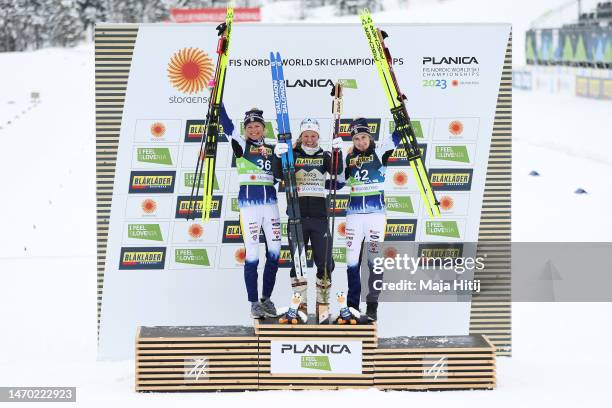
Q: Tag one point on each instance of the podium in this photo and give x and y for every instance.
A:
(434, 363)
(272, 356)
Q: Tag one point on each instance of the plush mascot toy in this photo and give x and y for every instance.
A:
(293, 315)
(347, 314)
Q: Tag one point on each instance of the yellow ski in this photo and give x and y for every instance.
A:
(207, 155)
(382, 60)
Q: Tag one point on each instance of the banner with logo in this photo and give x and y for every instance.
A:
(162, 269)
(315, 357)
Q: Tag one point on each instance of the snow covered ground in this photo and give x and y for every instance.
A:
(47, 248)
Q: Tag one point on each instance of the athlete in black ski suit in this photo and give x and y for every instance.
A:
(312, 165)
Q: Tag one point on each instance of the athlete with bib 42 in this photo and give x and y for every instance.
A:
(365, 218)
(258, 206)
(312, 164)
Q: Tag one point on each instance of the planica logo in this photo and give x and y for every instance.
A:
(315, 349)
(324, 357)
(309, 83)
(450, 60)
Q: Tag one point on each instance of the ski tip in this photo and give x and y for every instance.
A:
(278, 57)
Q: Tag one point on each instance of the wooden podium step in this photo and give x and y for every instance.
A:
(198, 358)
(434, 363)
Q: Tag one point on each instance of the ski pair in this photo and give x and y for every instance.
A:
(395, 98)
(324, 285)
(294, 224)
(207, 155)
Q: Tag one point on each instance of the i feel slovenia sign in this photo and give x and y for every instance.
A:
(315, 357)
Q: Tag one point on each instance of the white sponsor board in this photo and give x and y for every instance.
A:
(453, 104)
(315, 357)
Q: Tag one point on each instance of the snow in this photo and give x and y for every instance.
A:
(51, 159)
(47, 248)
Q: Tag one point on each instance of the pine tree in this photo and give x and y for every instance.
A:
(5, 37)
(90, 12)
(67, 26)
(138, 11)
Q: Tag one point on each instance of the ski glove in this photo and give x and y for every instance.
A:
(337, 143)
(280, 149)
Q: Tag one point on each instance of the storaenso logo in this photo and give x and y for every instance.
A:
(315, 348)
(190, 70)
(309, 83)
(450, 60)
